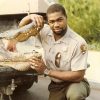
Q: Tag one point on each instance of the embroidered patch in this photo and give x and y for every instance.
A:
(83, 48)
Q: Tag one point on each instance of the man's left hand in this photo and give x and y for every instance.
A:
(37, 64)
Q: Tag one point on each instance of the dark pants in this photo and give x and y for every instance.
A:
(69, 90)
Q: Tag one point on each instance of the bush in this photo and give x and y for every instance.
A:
(84, 18)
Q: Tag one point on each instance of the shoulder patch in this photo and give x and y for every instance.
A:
(83, 48)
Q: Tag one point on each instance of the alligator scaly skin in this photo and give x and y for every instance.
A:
(21, 34)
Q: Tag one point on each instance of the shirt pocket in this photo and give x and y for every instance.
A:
(65, 59)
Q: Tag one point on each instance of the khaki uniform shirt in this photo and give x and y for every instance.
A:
(66, 54)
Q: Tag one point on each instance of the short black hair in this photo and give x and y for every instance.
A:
(56, 8)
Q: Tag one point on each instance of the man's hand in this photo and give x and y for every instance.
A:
(38, 19)
(38, 65)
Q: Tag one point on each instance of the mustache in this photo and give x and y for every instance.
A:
(61, 32)
(57, 27)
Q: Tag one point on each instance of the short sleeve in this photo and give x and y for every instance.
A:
(79, 60)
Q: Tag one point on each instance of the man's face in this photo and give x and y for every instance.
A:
(58, 23)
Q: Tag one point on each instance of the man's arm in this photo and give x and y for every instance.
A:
(73, 76)
(38, 19)
(26, 20)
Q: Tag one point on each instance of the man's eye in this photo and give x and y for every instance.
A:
(51, 22)
(59, 20)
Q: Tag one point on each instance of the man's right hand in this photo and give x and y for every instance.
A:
(38, 19)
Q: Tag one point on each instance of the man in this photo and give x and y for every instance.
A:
(65, 54)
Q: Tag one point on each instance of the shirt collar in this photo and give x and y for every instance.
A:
(63, 39)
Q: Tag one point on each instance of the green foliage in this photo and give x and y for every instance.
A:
(84, 17)
(94, 46)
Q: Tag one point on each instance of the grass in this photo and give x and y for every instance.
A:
(94, 46)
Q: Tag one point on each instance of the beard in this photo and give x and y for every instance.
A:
(60, 32)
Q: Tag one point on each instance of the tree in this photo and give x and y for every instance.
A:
(84, 17)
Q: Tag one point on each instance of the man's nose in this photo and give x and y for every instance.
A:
(56, 23)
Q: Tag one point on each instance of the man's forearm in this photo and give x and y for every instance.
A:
(26, 20)
(73, 76)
